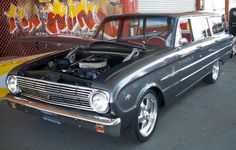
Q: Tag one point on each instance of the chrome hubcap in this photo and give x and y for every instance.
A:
(148, 115)
(234, 48)
(215, 70)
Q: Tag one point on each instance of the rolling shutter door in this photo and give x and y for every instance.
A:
(166, 6)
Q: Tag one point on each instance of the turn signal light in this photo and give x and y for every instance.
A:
(100, 129)
(13, 105)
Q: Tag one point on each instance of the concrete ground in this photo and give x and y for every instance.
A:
(204, 118)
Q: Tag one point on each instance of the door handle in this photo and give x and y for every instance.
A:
(199, 47)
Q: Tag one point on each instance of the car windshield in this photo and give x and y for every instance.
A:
(150, 31)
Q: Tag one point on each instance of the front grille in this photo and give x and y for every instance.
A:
(56, 93)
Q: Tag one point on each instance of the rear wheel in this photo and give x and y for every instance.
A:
(234, 49)
(234, 46)
(144, 123)
(213, 76)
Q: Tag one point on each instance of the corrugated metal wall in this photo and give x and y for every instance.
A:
(166, 6)
(232, 4)
(216, 6)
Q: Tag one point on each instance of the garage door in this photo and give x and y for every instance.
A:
(166, 6)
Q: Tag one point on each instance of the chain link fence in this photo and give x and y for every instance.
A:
(9, 48)
(48, 17)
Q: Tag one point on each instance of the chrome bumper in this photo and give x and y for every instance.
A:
(111, 126)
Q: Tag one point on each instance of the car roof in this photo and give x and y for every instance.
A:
(173, 15)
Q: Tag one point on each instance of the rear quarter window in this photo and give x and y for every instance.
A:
(200, 28)
(217, 25)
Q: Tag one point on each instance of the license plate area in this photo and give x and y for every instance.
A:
(51, 117)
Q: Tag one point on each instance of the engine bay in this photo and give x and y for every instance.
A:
(87, 64)
(89, 67)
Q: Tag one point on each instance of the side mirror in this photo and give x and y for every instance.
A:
(183, 41)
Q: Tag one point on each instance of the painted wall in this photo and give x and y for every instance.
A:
(44, 17)
(79, 17)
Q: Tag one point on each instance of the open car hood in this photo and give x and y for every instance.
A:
(58, 38)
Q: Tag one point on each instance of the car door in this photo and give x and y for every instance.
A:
(205, 45)
(185, 50)
(221, 40)
(194, 43)
(211, 42)
(196, 59)
(189, 52)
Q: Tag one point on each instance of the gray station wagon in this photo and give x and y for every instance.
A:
(119, 79)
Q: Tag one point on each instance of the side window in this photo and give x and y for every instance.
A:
(216, 24)
(200, 28)
(155, 25)
(184, 32)
(109, 31)
(132, 28)
(159, 31)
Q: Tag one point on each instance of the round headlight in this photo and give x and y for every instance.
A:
(100, 102)
(12, 85)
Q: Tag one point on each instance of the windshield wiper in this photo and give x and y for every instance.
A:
(135, 43)
(119, 43)
(135, 53)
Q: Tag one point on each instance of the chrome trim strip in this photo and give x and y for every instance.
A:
(43, 107)
(107, 52)
(73, 86)
(67, 96)
(190, 86)
(137, 74)
(192, 64)
(198, 70)
(176, 83)
(59, 103)
(196, 62)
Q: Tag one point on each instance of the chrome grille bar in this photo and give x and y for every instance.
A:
(56, 93)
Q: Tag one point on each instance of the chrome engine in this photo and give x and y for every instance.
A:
(90, 67)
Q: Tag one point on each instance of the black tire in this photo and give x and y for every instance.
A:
(133, 131)
(212, 77)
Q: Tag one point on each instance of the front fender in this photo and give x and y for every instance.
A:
(127, 101)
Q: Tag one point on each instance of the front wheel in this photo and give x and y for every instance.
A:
(213, 76)
(144, 123)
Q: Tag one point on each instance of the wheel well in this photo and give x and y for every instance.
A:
(160, 95)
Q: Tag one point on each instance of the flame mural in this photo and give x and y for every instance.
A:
(57, 16)
(35, 22)
(21, 12)
(11, 14)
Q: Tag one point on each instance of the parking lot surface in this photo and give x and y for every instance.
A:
(204, 118)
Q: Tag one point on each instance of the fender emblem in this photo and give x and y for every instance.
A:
(128, 97)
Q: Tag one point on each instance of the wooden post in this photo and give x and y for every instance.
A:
(129, 6)
(227, 8)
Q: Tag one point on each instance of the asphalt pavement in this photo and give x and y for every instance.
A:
(202, 119)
